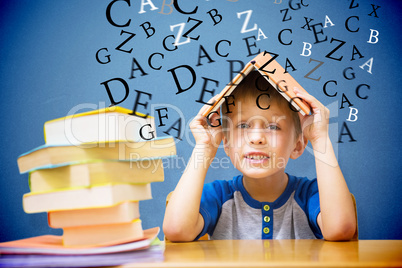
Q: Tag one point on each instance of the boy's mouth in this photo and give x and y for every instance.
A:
(256, 156)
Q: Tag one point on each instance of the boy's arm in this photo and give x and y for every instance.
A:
(182, 221)
(337, 219)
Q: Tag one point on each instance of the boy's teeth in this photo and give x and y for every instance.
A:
(256, 157)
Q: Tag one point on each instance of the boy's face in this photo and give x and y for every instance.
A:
(259, 142)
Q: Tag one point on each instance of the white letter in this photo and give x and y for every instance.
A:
(179, 33)
(353, 112)
(148, 2)
(304, 49)
(248, 15)
(327, 20)
(369, 63)
(371, 36)
(260, 33)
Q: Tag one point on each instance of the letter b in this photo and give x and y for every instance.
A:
(353, 113)
(306, 48)
(377, 33)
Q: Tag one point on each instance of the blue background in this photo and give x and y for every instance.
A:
(48, 67)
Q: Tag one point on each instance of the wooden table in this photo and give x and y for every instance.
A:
(281, 253)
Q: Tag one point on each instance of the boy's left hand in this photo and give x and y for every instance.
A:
(314, 126)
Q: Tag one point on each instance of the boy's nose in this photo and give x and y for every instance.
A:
(257, 137)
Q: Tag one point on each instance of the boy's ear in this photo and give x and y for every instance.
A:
(225, 144)
(301, 144)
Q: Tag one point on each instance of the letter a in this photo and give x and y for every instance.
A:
(327, 20)
(148, 2)
(368, 63)
(260, 33)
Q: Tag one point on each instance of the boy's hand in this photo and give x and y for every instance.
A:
(203, 133)
(314, 126)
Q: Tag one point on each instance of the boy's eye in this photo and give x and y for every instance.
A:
(273, 127)
(243, 125)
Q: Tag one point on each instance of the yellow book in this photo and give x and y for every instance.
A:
(121, 213)
(85, 197)
(107, 124)
(103, 235)
(53, 156)
(87, 174)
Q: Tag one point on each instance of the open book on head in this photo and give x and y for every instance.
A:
(275, 74)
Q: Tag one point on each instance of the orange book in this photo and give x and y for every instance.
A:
(103, 235)
(120, 213)
(275, 74)
(53, 245)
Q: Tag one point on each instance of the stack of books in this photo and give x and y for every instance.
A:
(92, 172)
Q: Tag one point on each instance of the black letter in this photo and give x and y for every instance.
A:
(176, 6)
(106, 84)
(351, 4)
(357, 52)
(203, 56)
(358, 89)
(146, 29)
(284, 16)
(344, 126)
(349, 78)
(345, 99)
(268, 62)
(176, 80)
(280, 37)
(177, 129)
(133, 69)
(109, 18)
(325, 88)
(149, 60)
(258, 103)
(195, 26)
(205, 90)
(335, 49)
(209, 122)
(374, 10)
(164, 44)
(107, 56)
(140, 103)
(217, 45)
(151, 132)
(232, 73)
(347, 24)
(308, 20)
(320, 32)
(160, 117)
(253, 45)
(227, 103)
(125, 41)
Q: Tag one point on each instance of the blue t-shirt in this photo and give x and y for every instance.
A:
(229, 212)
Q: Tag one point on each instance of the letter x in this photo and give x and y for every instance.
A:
(374, 10)
(308, 20)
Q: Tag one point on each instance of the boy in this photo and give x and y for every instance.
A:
(260, 133)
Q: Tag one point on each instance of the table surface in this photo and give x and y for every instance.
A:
(280, 253)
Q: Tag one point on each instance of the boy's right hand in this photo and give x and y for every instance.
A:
(204, 134)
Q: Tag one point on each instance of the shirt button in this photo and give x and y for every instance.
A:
(266, 207)
(266, 230)
(267, 218)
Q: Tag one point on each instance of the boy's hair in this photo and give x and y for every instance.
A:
(252, 86)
